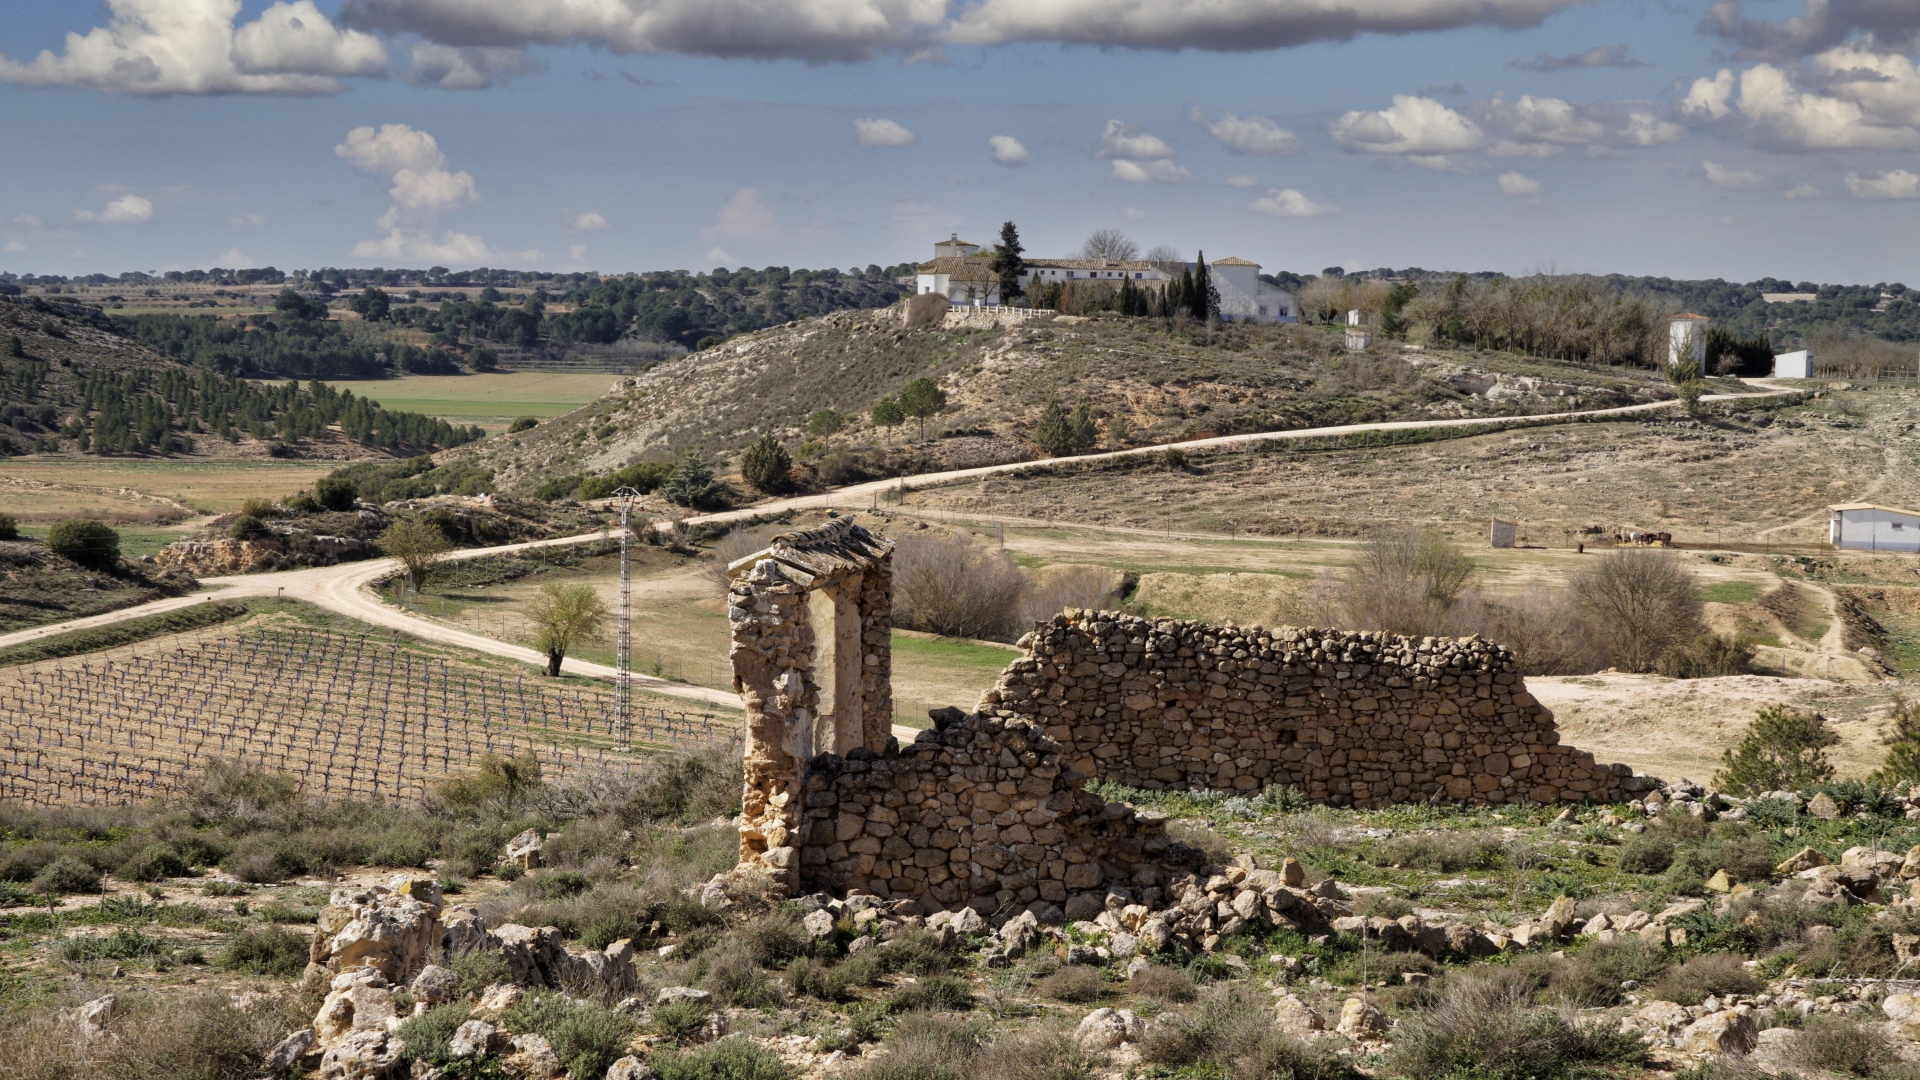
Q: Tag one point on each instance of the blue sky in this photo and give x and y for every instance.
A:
(1678, 139)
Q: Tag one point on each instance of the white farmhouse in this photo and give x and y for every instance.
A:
(1867, 527)
(964, 274)
(1245, 298)
(1793, 365)
(1687, 337)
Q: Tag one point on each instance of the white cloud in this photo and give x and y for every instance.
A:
(1870, 102)
(1512, 183)
(576, 253)
(882, 133)
(1535, 125)
(744, 217)
(1135, 214)
(1227, 25)
(1412, 125)
(1246, 134)
(1439, 163)
(247, 221)
(410, 161)
(28, 220)
(1599, 56)
(1243, 180)
(1150, 172)
(1008, 151)
(1801, 191)
(234, 259)
(1734, 179)
(719, 256)
(1122, 139)
(1646, 129)
(1509, 148)
(417, 245)
(589, 222)
(473, 67)
(754, 29)
(14, 247)
(159, 47)
(125, 210)
(1287, 202)
(1896, 184)
(296, 38)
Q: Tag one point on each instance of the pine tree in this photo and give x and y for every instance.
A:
(1081, 434)
(1007, 263)
(766, 464)
(1784, 750)
(691, 483)
(1052, 432)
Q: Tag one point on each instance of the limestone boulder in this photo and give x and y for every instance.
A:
(1359, 1020)
(629, 1068)
(390, 928)
(670, 995)
(531, 1057)
(93, 1017)
(1728, 1031)
(1805, 859)
(359, 1000)
(538, 956)
(1104, 1029)
(475, 1038)
(524, 850)
(434, 985)
(1879, 862)
(363, 1055)
(1294, 1016)
(1662, 1018)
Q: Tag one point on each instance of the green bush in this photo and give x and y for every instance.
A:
(336, 493)
(1843, 1046)
(67, 874)
(1591, 978)
(88, 543)
(267, 950)
(9, 528)
(1706, 656)
(941, 992)
(522, 423)
(928, 1047)
(691, 483)
(1165, 983)
(1784, 749)
(1648, 853)
(248, 527)
(679, 1021)
(154, 863)
(122, 944)
(586, 1036)
(426, 1036)
(1484, 1025)
(645, 478)
(732, 1058)
(1229, 1034)
(1713, 973)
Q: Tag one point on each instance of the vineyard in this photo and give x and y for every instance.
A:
(351, 718)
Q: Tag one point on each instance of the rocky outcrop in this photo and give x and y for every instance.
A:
(536, 956)
(390, 928)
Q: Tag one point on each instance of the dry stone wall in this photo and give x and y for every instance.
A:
(1359, 719)
(978, 811)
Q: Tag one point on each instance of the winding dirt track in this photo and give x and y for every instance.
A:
(343, 589)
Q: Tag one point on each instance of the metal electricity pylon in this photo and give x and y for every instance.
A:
(623, 647)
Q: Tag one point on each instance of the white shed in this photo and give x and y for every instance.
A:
(1868, 527)
(1687, 338)
(1793, 365)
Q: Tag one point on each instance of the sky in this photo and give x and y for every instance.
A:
(1737, 139)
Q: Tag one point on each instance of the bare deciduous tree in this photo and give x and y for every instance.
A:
(1542, 626)
(741, 542)
(954, 587)
(1110, 244)
(1166, 258)
(1056, 588)
(1403, 581)
(1641, 603)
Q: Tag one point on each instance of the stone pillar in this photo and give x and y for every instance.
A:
(876, 653)
(772, 646)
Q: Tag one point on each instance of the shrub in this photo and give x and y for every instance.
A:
(9, 528)
(426, 1036)
(586, 1036)
(198, 1035)
(248, 527)
(941, 992)
(1229, 1034)
(522, 423)
(1401, 581)
(1174, 458)
(1165, 983)
(1542, 626)
(734, 976)
(1641, 603)
(122, 944)
(88, 543)
(1077, 983)
(66, 874)
(1483, 1024)
(1057, 588)
(1648, 853)
(1901, 769)
(955, 588)
(267, 950)
(1712, 973)
(336, 493)
(691, 483)
(644, 477)
(1784, 749)
(1592, 977)
(679, 1021)
(1838, 1044)
(927, 1047)
(155, 862)
(766, 464)
(1035, 1055)
(733, 1058)
(1706, 656)
(1442, 852)
(478, 969)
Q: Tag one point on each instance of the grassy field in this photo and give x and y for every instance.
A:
(47, 490)
(492, 401)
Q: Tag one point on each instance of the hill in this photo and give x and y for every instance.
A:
(71, 381)
(1143, 382)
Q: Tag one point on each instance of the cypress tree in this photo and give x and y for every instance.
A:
(1052, 432)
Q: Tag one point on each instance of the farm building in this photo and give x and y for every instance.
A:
(1867, 527)
(1687, 339)
(1793, 365)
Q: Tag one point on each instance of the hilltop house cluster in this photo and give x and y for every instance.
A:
(965, 276)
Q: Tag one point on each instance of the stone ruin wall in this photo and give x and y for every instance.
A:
(979, 811)
(987, 810)
(1351, 719)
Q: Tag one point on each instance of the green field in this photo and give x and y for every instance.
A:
(1731, 592)
(492, 401)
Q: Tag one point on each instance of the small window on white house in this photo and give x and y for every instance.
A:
(1898, 526)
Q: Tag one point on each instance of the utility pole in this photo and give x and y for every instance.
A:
(623, 647)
